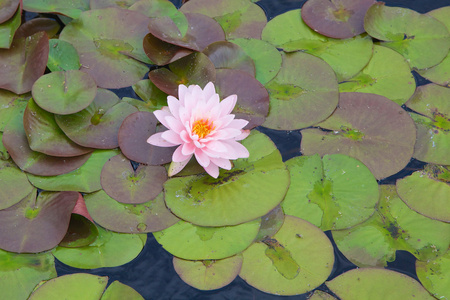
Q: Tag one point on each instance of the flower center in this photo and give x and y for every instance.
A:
(202, 128)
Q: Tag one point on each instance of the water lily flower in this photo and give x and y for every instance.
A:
(202, 126)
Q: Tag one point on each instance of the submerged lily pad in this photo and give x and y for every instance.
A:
(427, 192)
(62, 56)
(208, 274)
(226, 55)
(252, 188)
(303, 93)
(375, 284)
(270, 223)
(387, 74)
(434, 275)
(368, 127)
(394, 227)
(192, 242)
(297, 259)
(420, 38)
(14, 186)
(36, 224)
(335, 192)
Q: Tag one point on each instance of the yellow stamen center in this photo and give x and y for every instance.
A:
(202, 128)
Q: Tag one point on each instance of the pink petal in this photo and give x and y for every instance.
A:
(227, 133)
(223, 121)
(216, 146)
(184, 117)
(236, 150)
(189, 102)
(185, 136)
(172, 137)
(221, 162)
(227, 105)
(182, 90)
(243, 135)
(238, 123)
(202, 158)
(174, 105)
(176, 167)
(212, 170)
(178, 156)
(157, 140)
(174, 124)
(209, 90)
(161, 116)
(188, 148)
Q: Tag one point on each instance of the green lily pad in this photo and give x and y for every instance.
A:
(71, 287)
(81, 232)
(192, 242)
(433, 123)
(3, 153)
(226, 55)
(150, 216)
(270, 223)
(8, 28)
(98, 124)
(297, 259)
(345, 56)
(153, 97)
(117, 290)
(24, 62)
(85, 179)
(8, 9)
(14, 186)
(45, 136)
(108, 52)
(387, 74)
(427, 192)
(20, 273)
(339, 19)
(62, 56)
(303, 93)
(394, 227)
(36, 224)
(238, 18)
(99, 4)
(368, 127)
(71, 9)
(319, 295)
(335, 192)
(434, 275)
(252, 188)
(375, 284)
(110, 249)
(10, 105)
(420, 38)
(208, 275)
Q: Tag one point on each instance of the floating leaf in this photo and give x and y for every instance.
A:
(319, 295)
(62, 56)
(81, 232)
(99, 4)
(10, 105)
(30, 27)
(303, 93)
(270, 223)
(226, 55)
(14, 186)
(297, 259)
(117, 290)
(71, 9)
(8, 9)
(8, 28)
(162, 53)
(434, 275)
(368, 127)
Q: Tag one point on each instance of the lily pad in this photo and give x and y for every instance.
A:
(71, 9)
(24, 62)
(14, 186)
(346, 56)
(420, 38)
(62, 56)
(252, 188)
(110, 249)
(303, 93)
(84, 179)
(11, 104)
(99, 4)
(339, 19)
(320, 295)
(20, 273)
(427, 192)
(226, 55)
(368, 127)
(108, 52)
(192, 242)
(162, 53)
(117, 290)
(150, 216)
(153, 97)
(3, 153)
(270, 223)
(387, 74)
(81, 232)
(98, 124)
(434, 275)
(8, 9)
(30, 27)
(208, 275)
(433, 123)
(394, 227)
(9, 27)
(335, 192)
(36, 224)
(297, 259)
(374, 284)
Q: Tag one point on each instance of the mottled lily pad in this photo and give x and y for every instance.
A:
(62, 56)
(335, 192)
(14, 186)
(297, 259)
(192, 242)
(252, 188)
(162, 53)
(427, 192)
(8, 9)
(97, 125)
(110, 249)
(8, 28)
(387, 74)
(36, 224)
(375, 284)
(226, 55)
(347, 56)
(394, 227)
(434, 275)
(108, 52)
(270, 223)
(117, 290)
(432, 104)
(339, 19)
(303, 93)
(420, 38)
(368, 127)
(71, 9)
(20, 273)
(24, 62)
(208, 274)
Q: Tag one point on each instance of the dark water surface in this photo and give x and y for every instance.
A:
(152, 273)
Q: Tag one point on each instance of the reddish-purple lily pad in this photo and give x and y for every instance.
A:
(162, 53)
(50, 26)
(36, 224)
(97, 125)
(7, 9)
(226, 55)
(338, 19)
(129, 186)
(81, 232)
(133, 135)
(9, 28)
(23, 63)
(368, 127)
